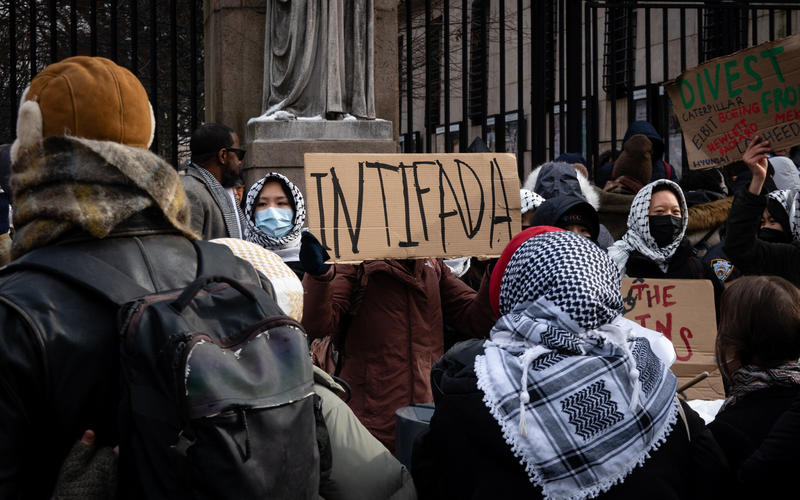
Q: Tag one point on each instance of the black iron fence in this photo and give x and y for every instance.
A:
(161, 42)
(542, 77)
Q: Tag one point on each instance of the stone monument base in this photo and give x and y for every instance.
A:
(279, 145)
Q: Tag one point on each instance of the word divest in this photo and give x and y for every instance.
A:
(723, 103)
(382, 206)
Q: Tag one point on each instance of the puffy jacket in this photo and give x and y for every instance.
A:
(660, 169)
(463, 454)
(397, 333)
(59, 352)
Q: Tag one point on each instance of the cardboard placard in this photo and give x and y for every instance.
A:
(383, 206)
(723, 103)
(683, 311)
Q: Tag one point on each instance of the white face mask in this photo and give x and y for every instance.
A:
(275, 222)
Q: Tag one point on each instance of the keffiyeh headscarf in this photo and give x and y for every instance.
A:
(582, 395)
(288, 246)
(789, 200)
(638, 236)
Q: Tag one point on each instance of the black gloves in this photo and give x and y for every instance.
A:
(313, 255)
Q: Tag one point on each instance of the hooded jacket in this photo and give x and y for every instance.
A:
(659, 167)
(397, 332)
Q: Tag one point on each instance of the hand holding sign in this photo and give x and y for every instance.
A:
(755, 157)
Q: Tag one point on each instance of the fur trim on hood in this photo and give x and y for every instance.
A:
(587, 190)
(705, 216)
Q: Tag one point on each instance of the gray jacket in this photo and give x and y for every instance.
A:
(207, 218)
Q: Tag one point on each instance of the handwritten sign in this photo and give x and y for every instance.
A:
(723, 103)
(683, 311)
(364, 207)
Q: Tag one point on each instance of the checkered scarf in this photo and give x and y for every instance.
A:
(62, 184)
(288, 246)
(638, 236)
(789, 201)
(749, 379)
(530, 200)
(230, 210)
(579, 392)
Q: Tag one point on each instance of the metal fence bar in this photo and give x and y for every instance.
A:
(521, 135)
(500, 122)
(73, 27)
(154, 67)
(448, 141)
(193, 66)
(173, 52)
(428, 77)
(114, 32)
(12, 56)
(463, 127)
(53, 15)
(33, 32)
(409, 142)
(562, 101)
(93, 27)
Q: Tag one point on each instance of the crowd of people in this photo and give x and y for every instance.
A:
(541, 387)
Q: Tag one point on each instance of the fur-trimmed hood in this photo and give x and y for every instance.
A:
(553, 172)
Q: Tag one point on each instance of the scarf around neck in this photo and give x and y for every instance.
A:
(67, 183)
(230, 211)
(749, 379)
(638, 237)
(287, 246)
(582, 395)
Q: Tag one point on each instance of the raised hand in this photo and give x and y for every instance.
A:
(756, 159)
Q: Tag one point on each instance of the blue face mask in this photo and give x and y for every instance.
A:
(275, 222)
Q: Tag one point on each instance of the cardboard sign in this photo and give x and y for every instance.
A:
(723, 103)
(364, 207)
(683, 311)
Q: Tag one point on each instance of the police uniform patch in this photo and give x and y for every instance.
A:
(722, 268)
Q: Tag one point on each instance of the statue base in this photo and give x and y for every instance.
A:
(279, 145)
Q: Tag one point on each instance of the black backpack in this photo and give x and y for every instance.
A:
(217, 395)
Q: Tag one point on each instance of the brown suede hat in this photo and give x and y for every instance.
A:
(87, 97)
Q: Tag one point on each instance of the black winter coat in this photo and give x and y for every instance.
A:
(59, 351)
(742, 428)
(463, 454)
(754, 256)
(684, 264)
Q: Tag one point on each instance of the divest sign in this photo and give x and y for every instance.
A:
(365, 207)
(723, 103)
(683, 311)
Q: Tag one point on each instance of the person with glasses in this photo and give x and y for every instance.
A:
(214, 168)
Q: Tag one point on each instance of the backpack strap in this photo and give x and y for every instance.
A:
(667, 170)
(82, 269)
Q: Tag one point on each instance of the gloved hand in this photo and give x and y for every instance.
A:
(313, 255)
(88, 472)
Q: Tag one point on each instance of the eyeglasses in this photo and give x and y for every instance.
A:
(238, 152)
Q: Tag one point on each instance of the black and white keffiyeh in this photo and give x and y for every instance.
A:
(582, 395)
(789, 200)
(230, 211)
(638, 236)
(530, 200)
(287, 246)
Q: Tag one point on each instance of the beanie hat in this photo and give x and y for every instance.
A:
(635, 160)
(87, 97)
(581, 214)
(500, 267)
(530, 200)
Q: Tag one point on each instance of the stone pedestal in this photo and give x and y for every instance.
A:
(279, 146)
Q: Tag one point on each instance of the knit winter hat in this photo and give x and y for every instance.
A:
(635, 161)
(87, 97)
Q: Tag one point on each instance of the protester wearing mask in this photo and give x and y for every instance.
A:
(654, 245)
(567, 399)
(743, 246)
(757, 351)
(275, 213)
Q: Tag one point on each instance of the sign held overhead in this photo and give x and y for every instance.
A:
(723, 103)
(383, 206)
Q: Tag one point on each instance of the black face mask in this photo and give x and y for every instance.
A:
(665, 228)
(773, 235)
